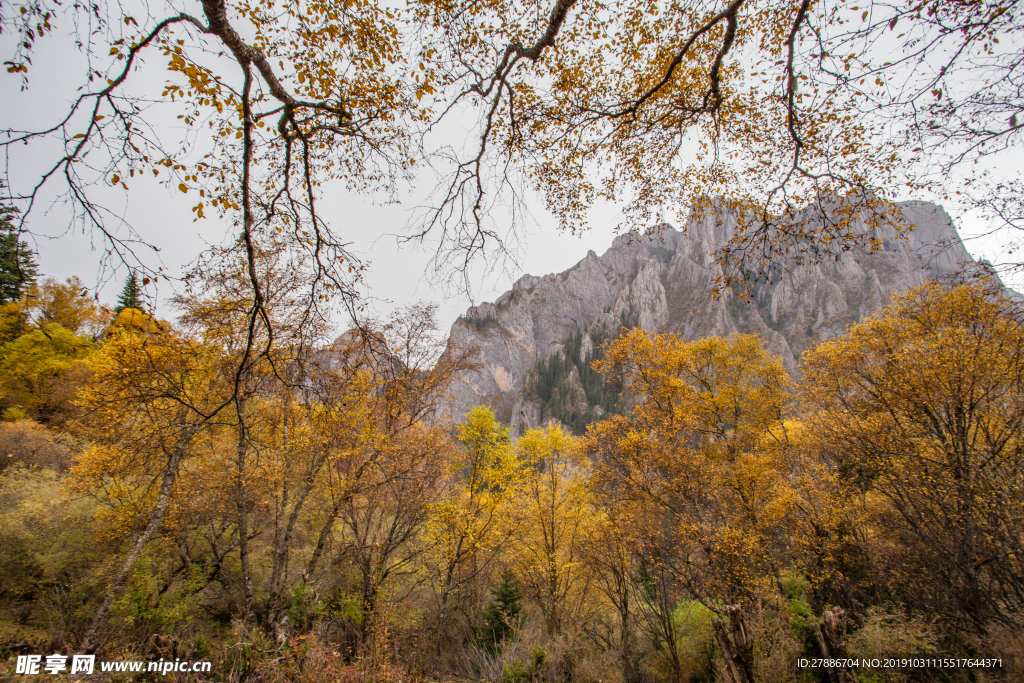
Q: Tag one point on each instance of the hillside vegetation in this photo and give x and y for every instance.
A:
(312, 519)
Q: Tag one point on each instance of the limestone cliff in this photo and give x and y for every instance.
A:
(663, 281)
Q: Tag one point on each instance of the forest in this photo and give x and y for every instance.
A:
(208, 472)
(310, 515)
(577, 403)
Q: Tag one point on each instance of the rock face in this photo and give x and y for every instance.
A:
(663, 281)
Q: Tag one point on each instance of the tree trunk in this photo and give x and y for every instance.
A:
(630, 671)
(321, 543)
(91, 641)
(282, 541)
(243, 512)
(833, 643)
(371, 588)
(737, 650)
(733, 671)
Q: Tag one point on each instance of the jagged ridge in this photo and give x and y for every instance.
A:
(663, 281)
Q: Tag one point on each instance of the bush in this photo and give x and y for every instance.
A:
(516, 672)
(13, 414)
(696, 640)
(886, 633)
(776, 647)
(51, 567)
(27, 443)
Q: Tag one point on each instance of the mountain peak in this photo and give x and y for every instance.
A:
(662, 280)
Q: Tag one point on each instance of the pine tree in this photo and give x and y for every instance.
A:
(18, 268)
(131, 295)
(501, 612)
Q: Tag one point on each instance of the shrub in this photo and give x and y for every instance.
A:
(27, 443)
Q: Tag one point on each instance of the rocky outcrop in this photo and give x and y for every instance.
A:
(663, 281)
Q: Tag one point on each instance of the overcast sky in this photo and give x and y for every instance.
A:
(398, 274)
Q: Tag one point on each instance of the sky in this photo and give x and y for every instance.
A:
(399, 274)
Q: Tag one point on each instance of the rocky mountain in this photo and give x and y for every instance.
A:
(536, 342)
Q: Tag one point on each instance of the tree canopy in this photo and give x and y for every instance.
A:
(314, 509)
(923, 406)
(778, 109)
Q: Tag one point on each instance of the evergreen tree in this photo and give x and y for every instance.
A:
(131, 294)
(18, 268)
(498, 618)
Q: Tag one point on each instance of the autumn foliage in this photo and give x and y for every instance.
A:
(313, 514)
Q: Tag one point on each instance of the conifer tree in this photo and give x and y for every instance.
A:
(498, 617)
(18, 268)
(131, 294)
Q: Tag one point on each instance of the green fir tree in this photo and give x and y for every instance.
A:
(503, 610)
(131, 294)
(18, 268)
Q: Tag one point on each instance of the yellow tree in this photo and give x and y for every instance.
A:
(473, 522)
(923, 406)
(262, 381)
(398, 464)
(383, 517)
(324, 434)
(611, 559)
(37, 370)
(149, 397)
(316, 446)
(700, 460)
(47, 333)
(68, 304)
(303, 436)
(558, 514)
(306, 426)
